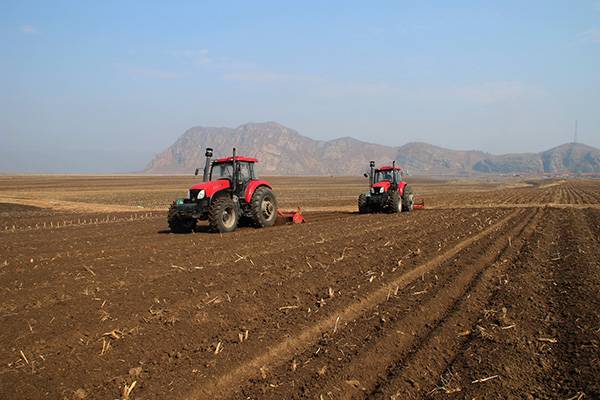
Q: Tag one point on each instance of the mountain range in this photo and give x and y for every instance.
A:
(283, 151)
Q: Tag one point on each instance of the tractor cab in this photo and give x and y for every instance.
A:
(242, 171)
(384, 178)
(228, 175)
(388, 174)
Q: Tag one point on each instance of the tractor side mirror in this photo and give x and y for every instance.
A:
(366, 175)
(196, 172)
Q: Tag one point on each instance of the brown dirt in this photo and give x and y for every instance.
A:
(493, 292)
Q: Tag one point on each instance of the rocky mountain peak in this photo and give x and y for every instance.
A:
(283, 151)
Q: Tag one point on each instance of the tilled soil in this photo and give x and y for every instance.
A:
(496, 297)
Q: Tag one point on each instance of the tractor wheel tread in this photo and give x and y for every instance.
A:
(394, 203)
(215, 215)
(363, 206)
(263, 206)
(179, 224)
(408, 199)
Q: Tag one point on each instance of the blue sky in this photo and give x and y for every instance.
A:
(102, 86)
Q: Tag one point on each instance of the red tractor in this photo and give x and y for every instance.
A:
(387, 191)
(229, 191)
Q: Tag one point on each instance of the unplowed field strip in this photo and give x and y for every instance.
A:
(579, 206)
(74, 206)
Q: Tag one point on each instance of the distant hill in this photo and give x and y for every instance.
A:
(283, 151)
(426, 159)
(572, 157)
(280, 150)
(567, 158)
(511, 163)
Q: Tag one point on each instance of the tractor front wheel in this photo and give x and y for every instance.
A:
(363, 205)
(223, 215)
(179, 223)
(394, 203)
(264, 207)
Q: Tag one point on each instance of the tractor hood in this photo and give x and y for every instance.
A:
(212, 187)
(383, 184)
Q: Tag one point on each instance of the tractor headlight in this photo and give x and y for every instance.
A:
(201, 194)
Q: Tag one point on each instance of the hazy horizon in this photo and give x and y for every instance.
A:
(104, 87)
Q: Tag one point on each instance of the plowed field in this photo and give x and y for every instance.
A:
(493, 291)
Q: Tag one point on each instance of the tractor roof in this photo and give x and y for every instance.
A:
(237, 158)
(388, 168)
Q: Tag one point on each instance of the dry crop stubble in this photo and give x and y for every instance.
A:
(107, 303)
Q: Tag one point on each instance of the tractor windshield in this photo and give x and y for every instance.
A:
(246, 171)
(386, 175)
(225, 171)
(221, 171)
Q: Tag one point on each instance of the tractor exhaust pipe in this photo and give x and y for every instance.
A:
(235, 174)
(394, 172)
(371, 173)
(208, 154)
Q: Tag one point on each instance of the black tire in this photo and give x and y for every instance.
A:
(363, 205)
(179, 223)
(223, 215)
(263, 206)
(408, 199)
(394, 203)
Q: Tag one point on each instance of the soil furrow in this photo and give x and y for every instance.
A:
(418, 376)
(285, 349)
(434, 304)
(389, 341)
(575, 324)
(540, 338)
(185, 319)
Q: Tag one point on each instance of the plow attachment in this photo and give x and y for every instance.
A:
(291, 217)
(419, 204)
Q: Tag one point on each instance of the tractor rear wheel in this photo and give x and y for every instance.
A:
(179, 223)
(264, 207)
(394, 203)
(408, 199)
(223, 215)
(363, 205)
